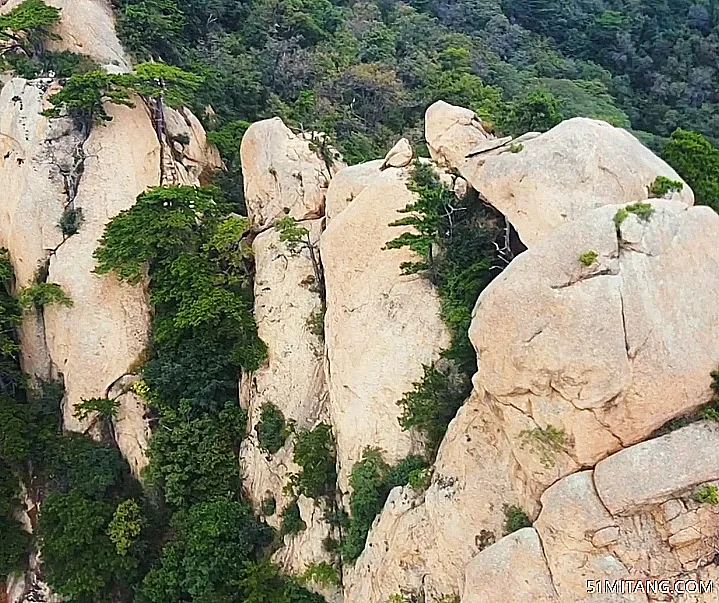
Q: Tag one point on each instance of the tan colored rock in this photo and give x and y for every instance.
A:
(131, 424)
(381, 326)
(349, 182)
(96, 342)
(195, 159)
(577, 166)
(282, 175)
(608, 352)
(287, 302)
(399, 156)
(647, 473)
(423, 545)
(451, 133)
(86, 27)
(512, 570)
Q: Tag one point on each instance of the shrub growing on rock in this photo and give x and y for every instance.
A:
(272, 431)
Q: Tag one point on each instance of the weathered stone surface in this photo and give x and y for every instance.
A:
(423, 545)
(451, 133)
(381, 326)
(646, 474)
(577, 166)
(349, 182)
(97, 340)
(194, 157)
(642, 546)
(512, 570)
(131, 425)
(286, 300)
(399, 156)
(608, 352)
(86, 27)
(282, 175)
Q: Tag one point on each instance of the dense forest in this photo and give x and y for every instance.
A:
(364, 73)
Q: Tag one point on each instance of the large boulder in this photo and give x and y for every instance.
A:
(283, 174)
(582, 546)
(381, 326)
(452, 133)
(575, 167)
(590, 358)
(86, 27)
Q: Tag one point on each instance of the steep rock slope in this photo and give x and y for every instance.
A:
(61, 165)
(289, 303)
(381, 326)
(629, 346)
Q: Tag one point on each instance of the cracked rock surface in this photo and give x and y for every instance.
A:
(582, 535)
(575, 167)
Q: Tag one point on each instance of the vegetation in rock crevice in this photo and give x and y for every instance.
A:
(371, 481)
(455, 243)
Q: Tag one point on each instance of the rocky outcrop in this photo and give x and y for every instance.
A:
(288, 310)
(50, 167)
(585, 538)
(381, 326)
(607, 352)
(452, 133)
(576, 362)
(579, 165)
(350, 182)
(86, 27)
(283, 175)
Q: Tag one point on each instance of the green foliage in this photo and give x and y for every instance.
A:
(10, 319)
(104, 408)
(80, 560)
(424, 217)
(371, 481)
(547, 442)
(316, 324)
(291, 521)
(84, 95)
(291, 234)
(269, 506)
(13, 553)
(538, 112)
(315, 453)
(663, 185)
(211, 552)
(198, 283)
(464, 232)
(193, 459)
(322, 574)
(643, 211)
(707, 494)
(271, 429)
(431, 405)
(39, 295)
(696, 160)
(588, 257)
(27, 26)
(515, 519)
(516, 147)
(126, 526)
(70, 221)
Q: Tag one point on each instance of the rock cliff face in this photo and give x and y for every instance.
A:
(573, 403)
(59, 165)
(588, 343)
